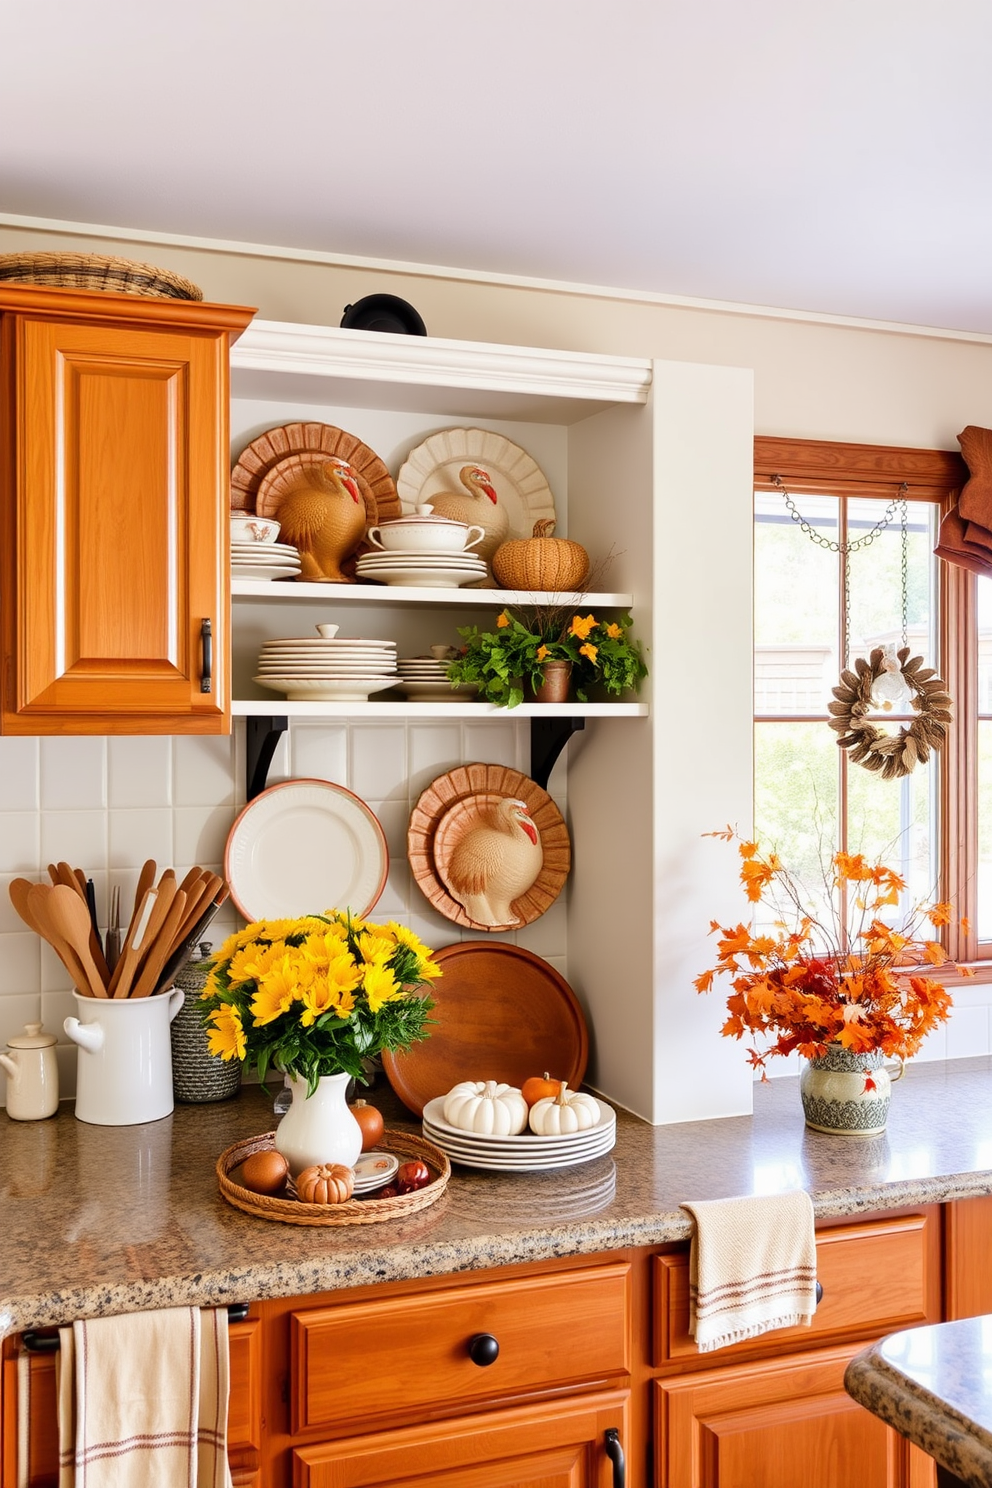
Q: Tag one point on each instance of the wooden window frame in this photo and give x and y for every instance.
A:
(817, 467)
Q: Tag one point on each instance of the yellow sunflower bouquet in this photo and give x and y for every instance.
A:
(317, 995)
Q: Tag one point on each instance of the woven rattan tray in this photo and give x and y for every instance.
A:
(95, 271)
(353, 1211)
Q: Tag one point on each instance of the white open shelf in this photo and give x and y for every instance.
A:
(278, 591)
(265, 708)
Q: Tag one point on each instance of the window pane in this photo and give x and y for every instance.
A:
(894, 821)
(984, 592)
(876, 580)
(983, 908)
(795, 799)
(795, 606)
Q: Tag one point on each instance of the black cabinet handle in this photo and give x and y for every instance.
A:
(483, 1349)
(207, 643)
(611, 1440)
(819, 1293)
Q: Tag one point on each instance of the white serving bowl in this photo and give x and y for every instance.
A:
(254, 529)
(425, 533)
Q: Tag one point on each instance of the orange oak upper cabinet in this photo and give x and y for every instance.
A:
(114, 469)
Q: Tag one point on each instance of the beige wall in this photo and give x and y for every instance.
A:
(812, 380)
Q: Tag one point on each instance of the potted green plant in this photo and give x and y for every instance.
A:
(514, 660)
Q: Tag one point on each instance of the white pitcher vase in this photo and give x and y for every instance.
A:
(319, 1128)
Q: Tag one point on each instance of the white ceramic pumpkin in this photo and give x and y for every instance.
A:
(568, 1111)
(486, 1107)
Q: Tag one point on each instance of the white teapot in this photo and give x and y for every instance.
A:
(32, 1075)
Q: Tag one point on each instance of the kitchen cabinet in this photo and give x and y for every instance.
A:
(41, 1468)
(389, 1384)
(113, 513)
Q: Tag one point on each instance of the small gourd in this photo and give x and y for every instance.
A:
(568, 1111)
(542, 562)
(325, 1183)
(486, 1107)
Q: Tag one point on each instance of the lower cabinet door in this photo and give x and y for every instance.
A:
(777, 1424)
(563, 1445)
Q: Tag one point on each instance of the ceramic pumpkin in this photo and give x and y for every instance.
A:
(568, 1111)
(548, 564)
(325, 1183)
(486, 1107)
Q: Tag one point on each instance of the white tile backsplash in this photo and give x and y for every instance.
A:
(139, 771)
(73, 774)
(105, 805)
(19, 772)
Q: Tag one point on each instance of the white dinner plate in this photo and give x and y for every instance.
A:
(420, 560)
(314, 643)
(533, 1147)
(251, 572)
(523, 1165)
(325, 689)
(430, 578)
(265, 550)
(302, 847)
(524, 1141)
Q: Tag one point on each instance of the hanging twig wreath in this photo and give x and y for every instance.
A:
(891, 755)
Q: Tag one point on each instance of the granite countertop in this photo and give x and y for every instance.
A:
(100, 1220)
(932, 1385)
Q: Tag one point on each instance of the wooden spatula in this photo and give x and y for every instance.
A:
(131, 949)
(69, 916)
(32, 906)
(159, 948)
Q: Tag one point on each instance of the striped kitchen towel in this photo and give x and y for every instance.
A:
(142, 1401)
(752, 1267)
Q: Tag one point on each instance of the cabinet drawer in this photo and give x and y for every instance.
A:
(877, 1276)
(403, 1355)
(547, 1446)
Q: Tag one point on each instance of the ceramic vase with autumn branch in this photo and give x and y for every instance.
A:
(847, 1094)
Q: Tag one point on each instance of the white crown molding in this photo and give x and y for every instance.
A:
(480, 276)
(428, 361)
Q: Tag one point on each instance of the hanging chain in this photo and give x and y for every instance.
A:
(904, 572)
(899, 503)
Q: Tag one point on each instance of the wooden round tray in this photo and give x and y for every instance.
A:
(353, 1211)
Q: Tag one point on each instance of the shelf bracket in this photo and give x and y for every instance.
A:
(548, 737)
(262, 735)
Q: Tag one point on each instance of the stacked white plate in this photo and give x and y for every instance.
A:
(342, 669)
(264, 560)
(431, 570)
(426, 678)
(522, 1154)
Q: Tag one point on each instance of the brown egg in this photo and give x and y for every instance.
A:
(265, 1172)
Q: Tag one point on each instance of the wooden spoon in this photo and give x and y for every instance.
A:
(75, 879)
(130, 955)
(145, 880)
(69, 916)
(159, 948)
(35, 914)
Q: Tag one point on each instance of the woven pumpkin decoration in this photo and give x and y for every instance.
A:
(325, 1183)
(553, 565)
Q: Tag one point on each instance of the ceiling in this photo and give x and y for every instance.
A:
(829, 157)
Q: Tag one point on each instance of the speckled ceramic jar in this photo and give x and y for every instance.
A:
(847, 1094)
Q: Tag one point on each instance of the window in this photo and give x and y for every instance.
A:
(935, 824)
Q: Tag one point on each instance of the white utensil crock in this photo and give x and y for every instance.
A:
(124, 1069)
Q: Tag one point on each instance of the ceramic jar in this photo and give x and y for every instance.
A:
(847, 1094)
(318, 1128)
(124, 1069)
(32, 1074)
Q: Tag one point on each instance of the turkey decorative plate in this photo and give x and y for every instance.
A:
(269, 464)
(488, 847)
(519, 482)
(500, 1013)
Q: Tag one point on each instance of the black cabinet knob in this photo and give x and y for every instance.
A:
(819, 1293)
(483, 1349)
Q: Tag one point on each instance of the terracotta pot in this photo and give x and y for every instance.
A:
(557, 680)
(847, 1094)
